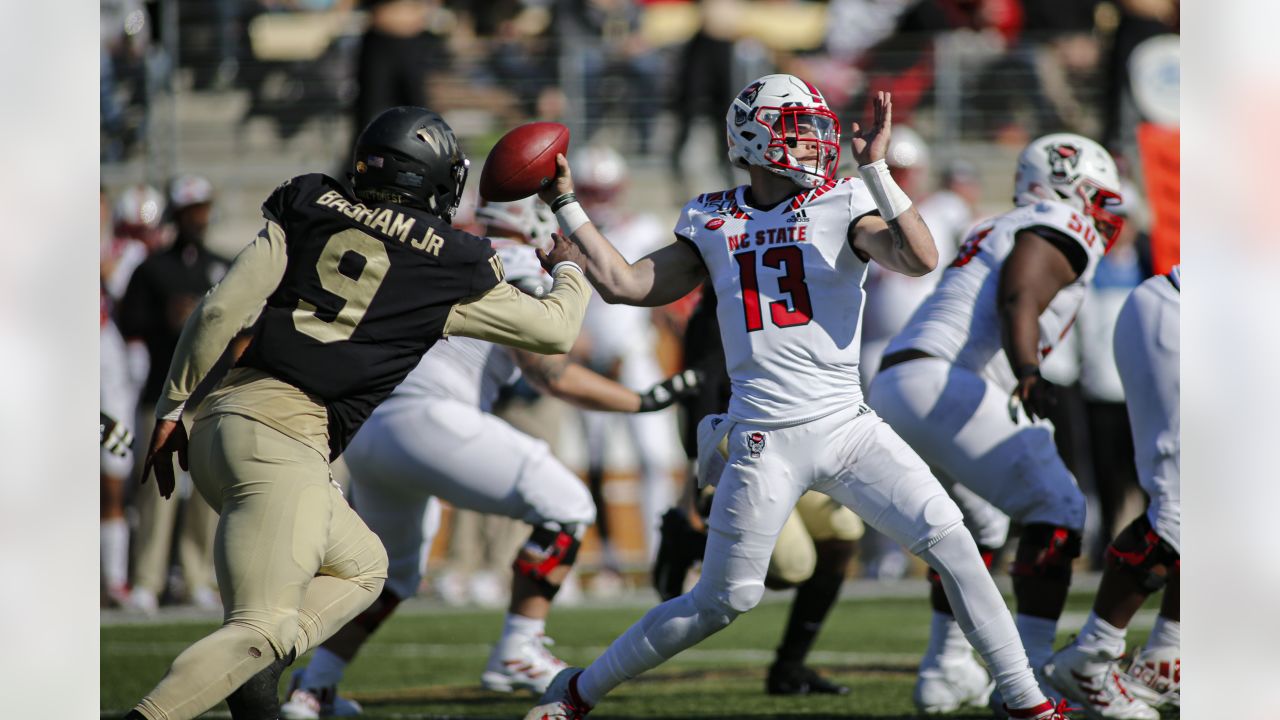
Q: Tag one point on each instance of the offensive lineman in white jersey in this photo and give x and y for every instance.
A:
(1145, 557)
(786, 257)
(952, 381)
(434, 437)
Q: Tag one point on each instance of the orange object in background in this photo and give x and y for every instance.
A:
(1161, 167)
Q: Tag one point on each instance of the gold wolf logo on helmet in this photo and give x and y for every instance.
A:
(1064, 162)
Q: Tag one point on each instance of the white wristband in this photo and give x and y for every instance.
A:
(890, 199)
(571, 217)
(565, 264)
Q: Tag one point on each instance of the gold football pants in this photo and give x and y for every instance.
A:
(294, 561)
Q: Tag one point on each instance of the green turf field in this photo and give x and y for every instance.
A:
(426, 663)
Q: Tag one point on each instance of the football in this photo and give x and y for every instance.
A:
(522, 160)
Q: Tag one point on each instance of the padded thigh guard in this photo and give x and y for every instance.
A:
(1046, 551)
(1141, 552)
(548, 547)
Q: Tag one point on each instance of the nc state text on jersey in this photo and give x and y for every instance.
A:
(386, 220)
(769, 236)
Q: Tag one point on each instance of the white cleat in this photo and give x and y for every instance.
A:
(521, 661)
(143, 601)
(1094, 681)
(955, 683)
(1155, 677)
(312, 703)
(561, 700)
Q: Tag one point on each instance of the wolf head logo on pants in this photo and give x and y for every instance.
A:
(755, 443)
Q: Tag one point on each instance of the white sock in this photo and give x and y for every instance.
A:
(1037, 635)
(999, 646)
(946, 642)
(326, 669)
(1100, 636)
(1165, 633)
(519, 625)
(114, 539)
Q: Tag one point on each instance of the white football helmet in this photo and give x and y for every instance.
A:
(907, 149)
(530, 217)
(140, 206)
(772, 117)
(1072, 169)
(521, 268)
(599, 174)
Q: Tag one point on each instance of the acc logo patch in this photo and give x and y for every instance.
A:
(755, 443)
(714, 223)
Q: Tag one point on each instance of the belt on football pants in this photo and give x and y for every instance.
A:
(902, 356)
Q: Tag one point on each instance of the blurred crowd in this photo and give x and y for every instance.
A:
(633, 80)
(987, 70)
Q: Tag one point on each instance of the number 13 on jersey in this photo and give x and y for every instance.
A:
(783, 312)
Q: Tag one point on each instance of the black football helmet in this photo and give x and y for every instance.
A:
(409, 155)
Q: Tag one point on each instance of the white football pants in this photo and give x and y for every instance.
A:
(856, 459)
(959, 423)
(413, 449)
(1147, 343)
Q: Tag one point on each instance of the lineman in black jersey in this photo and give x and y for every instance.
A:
(353, 286)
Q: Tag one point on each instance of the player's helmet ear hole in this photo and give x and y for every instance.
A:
(748, 135)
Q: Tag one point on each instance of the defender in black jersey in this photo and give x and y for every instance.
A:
(349, 286)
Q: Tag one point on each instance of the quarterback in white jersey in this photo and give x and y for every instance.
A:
(786, 257)
(435, 438)
(1145, 557)
(953, 382)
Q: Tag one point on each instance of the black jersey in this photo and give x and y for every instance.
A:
(365, 293)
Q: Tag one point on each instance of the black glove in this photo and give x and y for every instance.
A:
(113, 435)
(1037, 396)
(681, 385)
(680, 548)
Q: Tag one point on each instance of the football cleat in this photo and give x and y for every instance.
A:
(1044, 711)
(1155, 677)
(951, 686)
(1094, 681)
(561, 700)
(796, 679)
(311, 703)
(521, 661)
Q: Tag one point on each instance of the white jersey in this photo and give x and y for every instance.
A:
(789, 298)
(960, 323)
(617, 331)
(893, 297)
(461, 368)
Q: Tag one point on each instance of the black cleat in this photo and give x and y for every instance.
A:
(259, 697)
(789, 679)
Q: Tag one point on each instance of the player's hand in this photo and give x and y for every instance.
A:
(113, 435)
(560, 184)
(681, 385)
(1036, 395)
(563, 249)
(873, 144)
(168, 438)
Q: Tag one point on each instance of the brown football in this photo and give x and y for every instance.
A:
(522, 160)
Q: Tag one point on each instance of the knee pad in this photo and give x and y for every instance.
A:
(377, 613)
(1140, 551)
(723, 605)
(548, 547)
(1046, 551)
